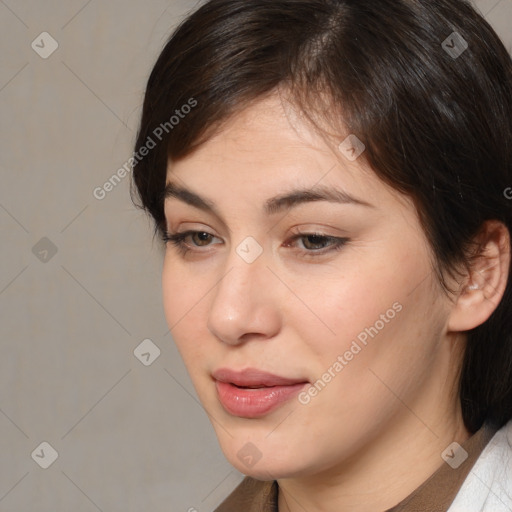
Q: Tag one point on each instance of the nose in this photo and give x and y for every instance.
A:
(245, 304)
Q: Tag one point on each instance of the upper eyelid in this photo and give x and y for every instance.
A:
(311, 232)
(294, 236)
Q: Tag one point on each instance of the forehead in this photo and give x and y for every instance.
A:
(269, 148)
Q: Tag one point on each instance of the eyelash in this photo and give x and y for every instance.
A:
(178, 240)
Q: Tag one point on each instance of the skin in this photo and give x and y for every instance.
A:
(357, 444)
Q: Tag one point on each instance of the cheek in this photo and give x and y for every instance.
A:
(173, 288)
(183, 286)
(384, 346)
(376, 317)
(347, 304)
(183, 308)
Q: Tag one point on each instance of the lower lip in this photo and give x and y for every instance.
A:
(252, 403)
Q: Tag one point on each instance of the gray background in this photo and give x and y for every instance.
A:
(80, 281)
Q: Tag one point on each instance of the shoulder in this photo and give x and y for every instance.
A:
(488, 487)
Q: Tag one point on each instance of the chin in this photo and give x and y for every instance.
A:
(252, 461)
(266, 471)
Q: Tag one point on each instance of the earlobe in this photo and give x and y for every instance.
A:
(484, 286)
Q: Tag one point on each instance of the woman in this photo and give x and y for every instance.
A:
(329, 177)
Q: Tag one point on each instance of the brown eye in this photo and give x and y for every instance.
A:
(202, 237)
(316, 244)
(315, 240)
(182, 241)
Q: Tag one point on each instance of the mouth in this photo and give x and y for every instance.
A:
(251, 387)
(253, 393)
(253, 378)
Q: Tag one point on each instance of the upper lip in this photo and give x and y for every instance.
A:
(253, 377)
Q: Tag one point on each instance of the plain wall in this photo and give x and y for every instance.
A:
(80, 281)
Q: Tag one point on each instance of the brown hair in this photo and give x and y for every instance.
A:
(425, 84)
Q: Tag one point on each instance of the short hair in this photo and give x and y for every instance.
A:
(426, 85)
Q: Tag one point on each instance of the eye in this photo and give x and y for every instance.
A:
(178, 239)
(315, 244)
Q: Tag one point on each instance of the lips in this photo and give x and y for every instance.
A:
(253, 393)
(254, 378)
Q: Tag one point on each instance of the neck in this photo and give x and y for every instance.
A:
(387, 470)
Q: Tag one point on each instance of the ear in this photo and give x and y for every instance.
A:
(484, 286)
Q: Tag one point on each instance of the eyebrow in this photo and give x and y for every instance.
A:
(273, 205)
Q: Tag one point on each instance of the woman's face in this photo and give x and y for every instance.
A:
(353, 317)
